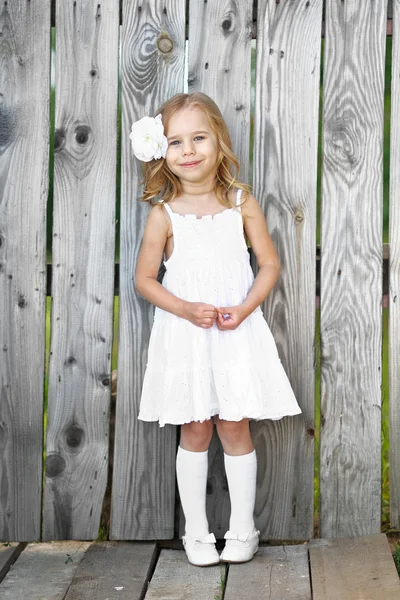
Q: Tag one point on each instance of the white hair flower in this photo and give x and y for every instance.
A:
(148, 139)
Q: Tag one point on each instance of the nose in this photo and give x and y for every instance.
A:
(187, 147)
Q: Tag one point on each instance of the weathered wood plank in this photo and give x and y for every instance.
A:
(144, 461)
(175, 578)
(394, 277)
(351, 269)
(43, 571)
(8, 555)
(24, 151)
(285, 175)
(219, 48)
(113, 571)
(275, 572)
(351, 569)
(83, 277)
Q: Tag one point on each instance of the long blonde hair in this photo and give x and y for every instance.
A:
(159, 181)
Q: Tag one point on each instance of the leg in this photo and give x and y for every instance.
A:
(191, 472)
(241, 472)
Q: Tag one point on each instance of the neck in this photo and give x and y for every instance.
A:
(202, 188)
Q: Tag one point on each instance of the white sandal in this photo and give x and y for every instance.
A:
(241, 547)
(201, 551)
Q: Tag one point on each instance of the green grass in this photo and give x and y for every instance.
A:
(396, 557)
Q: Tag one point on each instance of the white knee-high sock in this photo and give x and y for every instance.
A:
(241, 473)
(191, 473)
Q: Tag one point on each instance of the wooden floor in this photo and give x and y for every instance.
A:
(354, 569)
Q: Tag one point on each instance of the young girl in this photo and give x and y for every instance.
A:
(211, 352)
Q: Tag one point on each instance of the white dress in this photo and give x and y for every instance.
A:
(194, 373)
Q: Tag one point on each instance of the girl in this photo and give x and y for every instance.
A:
(211, 353)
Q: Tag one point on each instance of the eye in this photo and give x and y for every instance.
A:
(198, 138)
(174, 143)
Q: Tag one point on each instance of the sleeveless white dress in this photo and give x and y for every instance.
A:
(192, 373)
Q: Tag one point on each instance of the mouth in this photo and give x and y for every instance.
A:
(190, 164)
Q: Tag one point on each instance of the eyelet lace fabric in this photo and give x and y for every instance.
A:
(192, 373)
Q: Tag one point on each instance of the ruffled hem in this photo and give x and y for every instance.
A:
(171, 421)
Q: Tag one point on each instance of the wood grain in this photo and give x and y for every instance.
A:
(394, 278)
(275, 572)
(8, 555)
(24, 154)
(83, 275)
(144, 461)
(175, 578)
(113, 571)
(219, 45)
(43, 571)
(353, 569)
(285, 175)
(351, 269)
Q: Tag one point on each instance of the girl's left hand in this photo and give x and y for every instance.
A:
(230, 317)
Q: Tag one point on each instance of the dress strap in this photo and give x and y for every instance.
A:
(167, 208)
(238, 196)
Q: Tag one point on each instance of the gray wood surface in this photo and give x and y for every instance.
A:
(275, 572)
(285, 175)
(43, 571)
(353, 569)
(8, 555)
(113, 571)
(219, 47)
(24, 154)
(83, 274)
(143, 499)
(394, 275)
(351, 269)
(175, 578)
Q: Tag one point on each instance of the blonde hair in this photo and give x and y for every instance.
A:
(158, 179)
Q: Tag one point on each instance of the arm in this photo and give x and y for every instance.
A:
(156, 232)
(267, 259)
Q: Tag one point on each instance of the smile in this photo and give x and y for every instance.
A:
(189, 165)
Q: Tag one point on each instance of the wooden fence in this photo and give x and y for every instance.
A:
(148, 38)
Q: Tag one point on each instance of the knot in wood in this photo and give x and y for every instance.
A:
(21, 301)
(165, 44)
(226, 25)
(55, 465)
(106, 381)
(299, 217)
(82, 134)
(74, 436)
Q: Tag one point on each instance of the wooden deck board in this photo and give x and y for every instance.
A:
(353, 569)
(275, 572)
(113, 570)
(176, 579)
(8, 555)
(43, 571)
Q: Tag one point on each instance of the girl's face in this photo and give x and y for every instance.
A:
(192, 146)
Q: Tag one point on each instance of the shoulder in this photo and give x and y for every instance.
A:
(251, 208)
(159, 221)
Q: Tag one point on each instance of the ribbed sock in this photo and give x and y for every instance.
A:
(241, 473)
(191, 473)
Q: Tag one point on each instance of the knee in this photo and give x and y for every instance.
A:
(231, 432)
(195, 436)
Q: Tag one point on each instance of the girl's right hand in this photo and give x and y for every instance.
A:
(200, 314)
